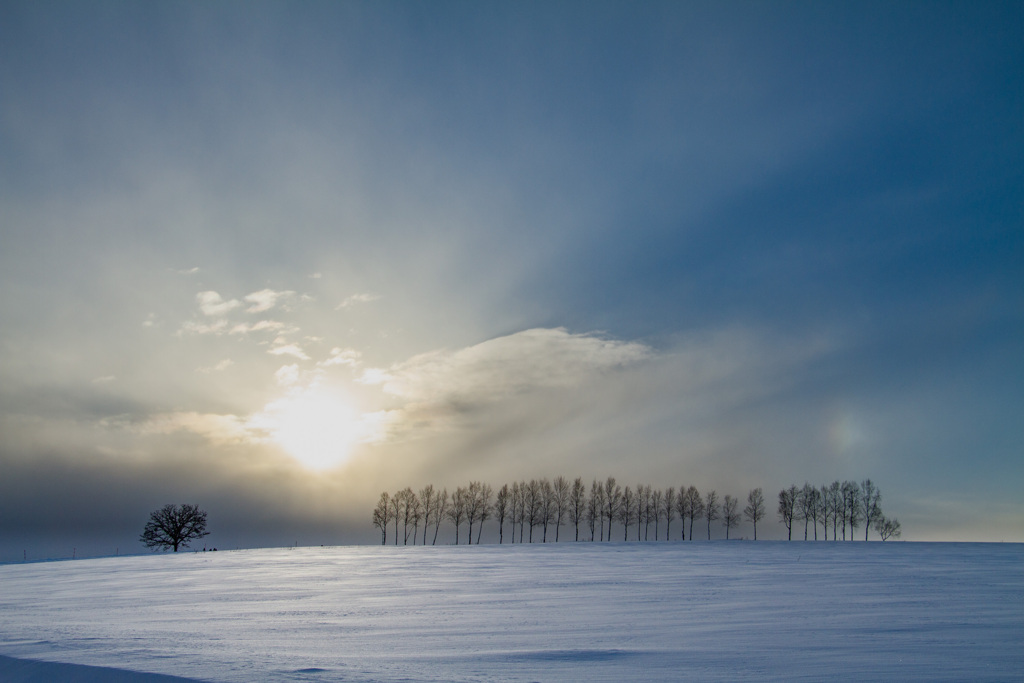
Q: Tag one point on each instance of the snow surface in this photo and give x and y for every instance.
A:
(710, 611)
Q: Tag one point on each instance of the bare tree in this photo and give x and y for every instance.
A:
(787, 509)
(694, 506)
(711, 511)
(483, 504)
(643, 509)
(887, 528)
(824, 510)
(458, 509)
(851, 503)
(532, 504)
(669, 509)
(595, 509)
(517, 510)
(754, 512)
(547, 507)
(836, 510)
(561, 499)
(440, 512)
(174, 526)
(396, 511)
(627, 511)
(416, 514)
(805, 505)
(577, 504)
(382, 516)
(730, 514)
(501, 510)
(612, 501)
(870, 504)
(657, 509)
(427, 500)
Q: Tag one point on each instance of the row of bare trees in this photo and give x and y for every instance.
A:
(540, 508)
(836, 505)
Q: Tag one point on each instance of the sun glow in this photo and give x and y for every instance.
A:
(316, 427)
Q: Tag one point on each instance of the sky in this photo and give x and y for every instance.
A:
(275, 258)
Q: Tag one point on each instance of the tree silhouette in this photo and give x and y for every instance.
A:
(870, 504)
(501, 509)
(612, 501)
(711, 511)
(787, 509)
(754, 512)
(694, 506)
(174, 526)
(887, 528)
(577, 504)
(382, 515)
(669, 509)
(730, 514)
(562, 492)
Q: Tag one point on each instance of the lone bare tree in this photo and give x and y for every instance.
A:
(562, 493)
(174, 526)
(754, 512)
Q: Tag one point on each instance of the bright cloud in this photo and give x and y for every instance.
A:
(508, 365)
(282, 347)
(212, 304)
(287, 374)
(340, 356)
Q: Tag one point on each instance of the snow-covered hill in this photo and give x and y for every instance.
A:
(718, 611)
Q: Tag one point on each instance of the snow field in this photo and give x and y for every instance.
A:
(710, 611)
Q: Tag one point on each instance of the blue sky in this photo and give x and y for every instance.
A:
(729, 245)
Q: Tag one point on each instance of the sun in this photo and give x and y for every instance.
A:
(317, 427)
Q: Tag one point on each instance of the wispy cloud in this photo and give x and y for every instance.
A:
(219, 367)
(355, 299)
(266, 299)
(263, 326)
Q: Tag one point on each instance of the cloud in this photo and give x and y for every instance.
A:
(185, 271)
(106, 379)
(212, 304)
(340, 356)
(193, 327)
(287, 375)
(219, 367)
(262, 326)
(265, 299)
(283, 347)
(355, 299)
(219, 429)
(508, 365)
